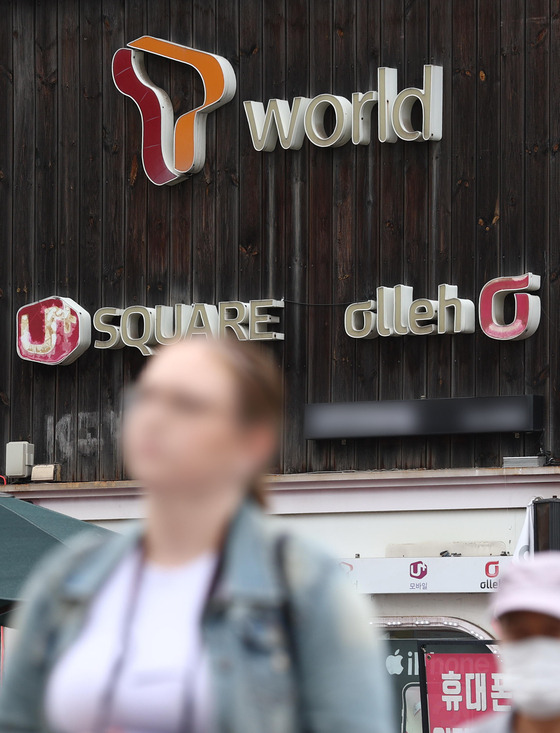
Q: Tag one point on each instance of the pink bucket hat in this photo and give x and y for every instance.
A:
(530, 585)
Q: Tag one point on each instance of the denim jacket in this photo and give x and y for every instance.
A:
(325, 674)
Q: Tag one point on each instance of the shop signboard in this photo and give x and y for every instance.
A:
(425, 575)
(395, 312)
(461, 688)
(57, 330)
(369, 221)
(446, 690)
(173, 149)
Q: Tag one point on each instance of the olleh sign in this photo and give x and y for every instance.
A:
(395, 313)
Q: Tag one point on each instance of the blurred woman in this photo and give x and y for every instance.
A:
(204, 618)
(526, 608)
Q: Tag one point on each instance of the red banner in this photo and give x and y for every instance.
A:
(463, 688)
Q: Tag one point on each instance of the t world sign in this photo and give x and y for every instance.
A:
(172, 149)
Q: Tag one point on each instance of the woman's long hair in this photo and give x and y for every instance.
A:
(260, 393)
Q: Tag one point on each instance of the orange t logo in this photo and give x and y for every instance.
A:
(171, 152)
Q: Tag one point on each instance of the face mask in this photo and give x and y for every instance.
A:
(532, 674)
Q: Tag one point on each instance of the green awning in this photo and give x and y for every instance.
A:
(27, 532)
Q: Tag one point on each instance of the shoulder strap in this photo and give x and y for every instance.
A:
(288, 615)
(289, 621)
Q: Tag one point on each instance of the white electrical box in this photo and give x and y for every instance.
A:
(46, 472)
(19, 458)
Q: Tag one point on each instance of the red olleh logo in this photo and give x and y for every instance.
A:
(492, 571)
(52, 331)
(527, 307)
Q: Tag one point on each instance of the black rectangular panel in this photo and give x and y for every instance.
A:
(547, 524)
(460, 415)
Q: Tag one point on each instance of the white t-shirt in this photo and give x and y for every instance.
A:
(163, 663)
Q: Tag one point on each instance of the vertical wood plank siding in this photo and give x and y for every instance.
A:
(320, 227)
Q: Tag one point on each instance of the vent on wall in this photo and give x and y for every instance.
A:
(523, 461)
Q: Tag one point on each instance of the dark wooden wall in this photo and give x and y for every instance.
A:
(79, 218)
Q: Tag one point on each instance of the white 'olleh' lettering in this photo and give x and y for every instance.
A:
(395, 313)
(352, 119)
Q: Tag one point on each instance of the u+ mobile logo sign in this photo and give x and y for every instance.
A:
(171, 151)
